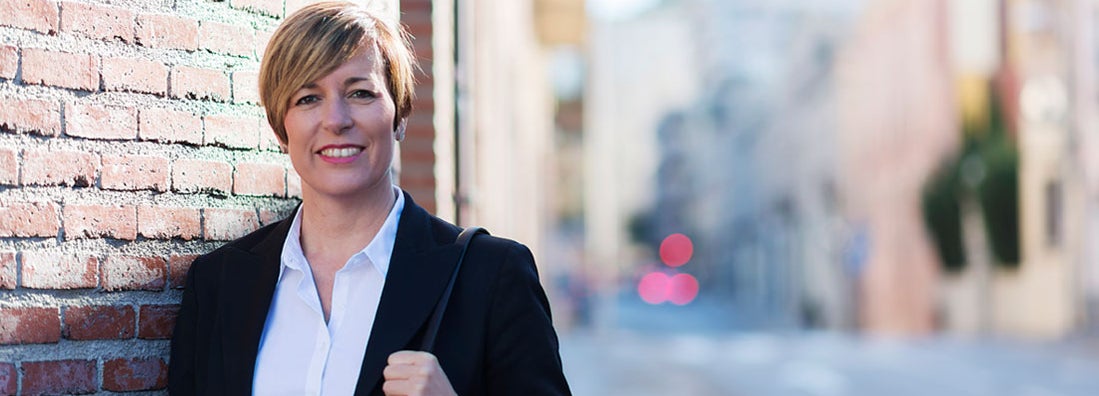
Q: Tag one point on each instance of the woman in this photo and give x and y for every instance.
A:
(333, 299)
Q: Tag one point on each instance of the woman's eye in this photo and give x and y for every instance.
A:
(306, 100)
(362, 94)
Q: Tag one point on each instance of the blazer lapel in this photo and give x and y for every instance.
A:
(253, 274)
(418, 273)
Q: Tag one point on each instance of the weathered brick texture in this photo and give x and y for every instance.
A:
(9, 61)
(97, 21)
(134, 273)
(7, 270)
(135, 172)
(59, 168)
(60, 69)
(170, 126)
(166, 31)
(37, 15)
(99, 322)
(9, 379)
(30, 115)
(132, 141)
(29, 219)
(59, 377)
(157, 222)
(46, 270)
(100, 221)
(30, 325)
(135, 374)
(156, 321)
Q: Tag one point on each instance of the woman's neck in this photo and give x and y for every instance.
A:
(334, 229)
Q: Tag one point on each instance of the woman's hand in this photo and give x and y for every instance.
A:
(412, 373)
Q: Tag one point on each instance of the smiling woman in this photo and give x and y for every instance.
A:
(333, 299)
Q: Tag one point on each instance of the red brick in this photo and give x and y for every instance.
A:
(38, 15)
(45, 270)
(101, 322)
(9, 379)
(9, 167)
(7, 271)
(134, 273)
(59, 377)
(246, 87)
(9, 61)
(268, 216)
(29, 219)
(224, 38)
(195, 83)
(166, 223)
(99, 221)
(135, 172)
(259, 179)
(263, 7)
(228, 224)
(135, 75)
(231, 131)
(178, 265)
(157, 321)
(30, 325)
(97, 21)
(100, 122)
(170, 126)
(166, 31)
(135, 374)
(199, 176)
(30, 115)
(293, 184)
(65, 168)
(60, 69)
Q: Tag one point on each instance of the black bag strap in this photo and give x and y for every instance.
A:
(437, 317)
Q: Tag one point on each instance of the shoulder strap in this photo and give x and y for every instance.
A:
(437, 316)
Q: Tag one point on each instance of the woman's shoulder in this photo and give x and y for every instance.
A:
(259, 241)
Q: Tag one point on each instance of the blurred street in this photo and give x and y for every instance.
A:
(662, 359)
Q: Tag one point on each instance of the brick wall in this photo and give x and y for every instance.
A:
(131, 142)
(418, 148)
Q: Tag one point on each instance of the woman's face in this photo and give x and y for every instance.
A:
(339, 130)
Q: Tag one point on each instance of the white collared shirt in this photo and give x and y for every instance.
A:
(299, 353)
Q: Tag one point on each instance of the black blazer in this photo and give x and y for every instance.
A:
(496, 337)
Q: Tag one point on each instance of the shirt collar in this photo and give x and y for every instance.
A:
(379, 250)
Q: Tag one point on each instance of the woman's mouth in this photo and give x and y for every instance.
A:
(343, 152)
(340, 154)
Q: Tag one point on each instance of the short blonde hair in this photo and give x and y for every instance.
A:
(319, 38)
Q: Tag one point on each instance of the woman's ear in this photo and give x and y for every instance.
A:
(398, 133)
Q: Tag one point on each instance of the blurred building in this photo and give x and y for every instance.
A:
(1034, 59)
(765, 158)
(640, 72)
(734, 149)
(1050, 53)
(898, 120)
(497, 142)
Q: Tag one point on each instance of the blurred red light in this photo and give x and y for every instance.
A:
(653, 288)
(682, 289)
(676, 250)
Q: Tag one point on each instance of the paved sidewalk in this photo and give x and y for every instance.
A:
(826, 364)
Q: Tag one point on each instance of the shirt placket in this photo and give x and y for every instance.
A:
(321, 349)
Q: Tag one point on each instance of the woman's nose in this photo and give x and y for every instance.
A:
(337, 116)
